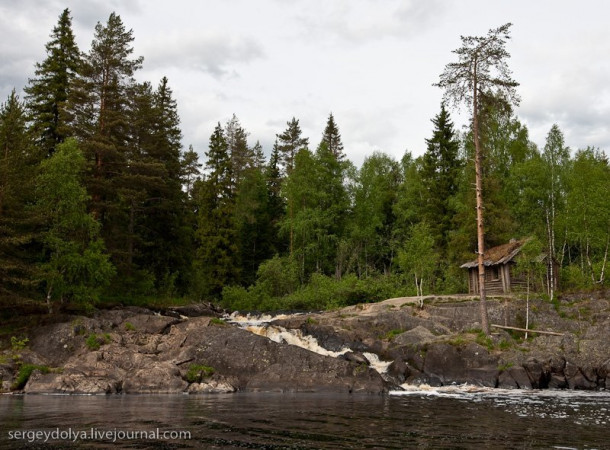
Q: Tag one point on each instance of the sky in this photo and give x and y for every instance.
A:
(371, 63)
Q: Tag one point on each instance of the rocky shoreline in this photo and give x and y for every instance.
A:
(366, 348)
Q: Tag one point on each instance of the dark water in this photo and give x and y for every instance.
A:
(448, 420)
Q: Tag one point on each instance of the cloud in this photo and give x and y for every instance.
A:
(364, 21)
(214, 53)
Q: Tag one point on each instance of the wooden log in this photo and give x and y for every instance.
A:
(552, 333)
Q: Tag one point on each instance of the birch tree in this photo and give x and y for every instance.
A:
(481, 73)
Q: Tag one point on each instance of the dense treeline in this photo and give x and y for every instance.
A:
(99, 201)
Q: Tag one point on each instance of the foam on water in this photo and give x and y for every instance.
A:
(293, 337)
(545, 403)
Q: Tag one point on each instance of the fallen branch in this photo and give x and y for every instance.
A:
(552, 333)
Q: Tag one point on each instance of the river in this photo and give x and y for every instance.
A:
(447, 418)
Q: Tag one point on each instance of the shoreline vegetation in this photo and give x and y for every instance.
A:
(117, 243)
(100, 203)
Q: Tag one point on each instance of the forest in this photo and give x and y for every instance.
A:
(101, 204)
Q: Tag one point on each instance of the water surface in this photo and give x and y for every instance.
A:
(452, 418)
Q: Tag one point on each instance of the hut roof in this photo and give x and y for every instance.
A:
(501, 254)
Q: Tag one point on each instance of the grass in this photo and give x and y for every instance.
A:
(505, 366)
(130, 326)
(458, 341)
(217, 321)
(94, 342)
(25, 371)
(197, 372)
(485, 341)
(393, 333)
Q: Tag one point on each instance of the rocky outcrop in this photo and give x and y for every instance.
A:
(190, 350)
(146, 353)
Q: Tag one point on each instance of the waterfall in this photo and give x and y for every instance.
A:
(262, 326)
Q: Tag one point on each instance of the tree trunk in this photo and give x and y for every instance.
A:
(480, 224)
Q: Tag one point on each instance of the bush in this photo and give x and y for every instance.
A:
(198, 372)
(25, 371)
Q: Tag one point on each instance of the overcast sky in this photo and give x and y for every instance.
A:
(369, 62)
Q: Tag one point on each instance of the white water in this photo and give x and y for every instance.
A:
(294, 337)
(261, 325)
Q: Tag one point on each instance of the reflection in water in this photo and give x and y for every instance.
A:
(482, 419)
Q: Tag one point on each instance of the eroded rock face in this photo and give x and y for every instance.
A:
(148, 354)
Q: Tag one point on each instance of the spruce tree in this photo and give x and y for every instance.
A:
(440, 172)
(217, 253)
(18, 223)
(332, 138)
(48, 92)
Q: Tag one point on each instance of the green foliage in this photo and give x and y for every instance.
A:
(129, 326)
(18, 344)
(505, 366)
(198, 372)
(25, 371)
(77, 267)
(484, 340)
(217, 321)
(417, 257)
(393, 333)
(94, 342)
(47, 93)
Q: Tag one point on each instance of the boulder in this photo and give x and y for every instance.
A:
(451, 364)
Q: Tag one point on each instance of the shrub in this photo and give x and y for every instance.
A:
(25, 371)
(94, 342)
(197, 372)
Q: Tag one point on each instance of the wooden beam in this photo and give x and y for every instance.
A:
(552, 333)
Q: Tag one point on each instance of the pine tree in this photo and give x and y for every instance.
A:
(97, 111)
(241, 156)
(48, 92)
(191, 170)
(481, 74)
(100, 113)
(290, 142)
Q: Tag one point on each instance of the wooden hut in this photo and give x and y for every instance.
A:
(500, 274)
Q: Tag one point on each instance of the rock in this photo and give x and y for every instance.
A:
(506, 381)
(160, 378)
(558, 381)
(471, 364)
(416, 336)
(580, 382)
(519, 374)
(211, 386)
(356, 357)
(539, 377)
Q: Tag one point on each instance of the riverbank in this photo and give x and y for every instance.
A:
(368, 348)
